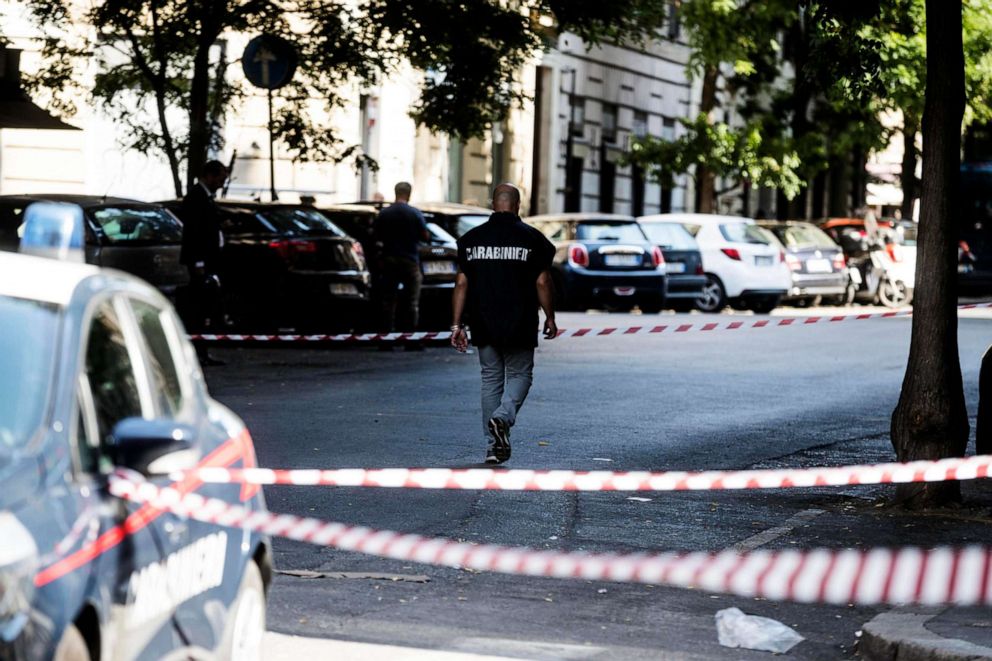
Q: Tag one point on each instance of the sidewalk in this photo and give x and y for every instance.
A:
(935, 634)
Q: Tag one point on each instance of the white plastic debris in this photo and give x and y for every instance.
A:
(735, 629)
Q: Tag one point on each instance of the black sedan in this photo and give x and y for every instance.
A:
(438, 259)
(683, 262)
(819, 269)
(603, 260)
(286, 266)
(141, 239)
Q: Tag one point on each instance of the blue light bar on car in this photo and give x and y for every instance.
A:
(53, 230)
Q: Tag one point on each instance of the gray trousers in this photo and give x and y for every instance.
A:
(506, 378)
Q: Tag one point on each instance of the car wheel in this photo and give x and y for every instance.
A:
(246, 622)
(72, 647)
(893, 293)
(714, 297)
(764, 305)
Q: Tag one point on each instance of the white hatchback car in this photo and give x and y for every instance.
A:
(744, 263)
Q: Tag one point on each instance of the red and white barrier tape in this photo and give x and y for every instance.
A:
(897, 576)
(731, 324)
(958, 468)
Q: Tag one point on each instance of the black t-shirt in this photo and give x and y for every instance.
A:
(400, 228)
(502, 259)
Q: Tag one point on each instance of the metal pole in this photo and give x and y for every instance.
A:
(272, 156)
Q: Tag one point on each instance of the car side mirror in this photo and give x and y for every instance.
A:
(153, 447)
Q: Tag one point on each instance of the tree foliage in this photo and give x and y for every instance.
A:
(162, 54)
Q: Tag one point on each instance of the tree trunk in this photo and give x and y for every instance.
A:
(199, 108)
(168, 144)
(930, 421)
(907, 177)
(838, 204)
(705, 178)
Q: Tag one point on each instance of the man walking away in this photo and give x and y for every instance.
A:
(503, 277)
(398, 231)
(201, 253)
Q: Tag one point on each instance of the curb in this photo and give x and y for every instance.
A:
(900, 635)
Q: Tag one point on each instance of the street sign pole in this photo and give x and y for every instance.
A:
(269, 62)
(272, 156)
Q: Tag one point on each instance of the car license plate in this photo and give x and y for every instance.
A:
(344, 289)
(763, 260)
(443, 267)
(818, 266)
(622, 260)
(675, 267)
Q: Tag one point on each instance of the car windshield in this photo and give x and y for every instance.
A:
(295, 221)
(604, 231)
(29, 330)
(669, 235)
(466, 223)
(803, 236)
(746, 233)
(137, 225)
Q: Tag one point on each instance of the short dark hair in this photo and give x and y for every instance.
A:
(213, 168)
(403, 189)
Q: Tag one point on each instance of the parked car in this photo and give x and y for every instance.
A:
(104, 378)
(438, 259)
(683, 262)
(817, 263)
(744, 263)
(603, 260)
(453, 218)
(886, 261)
(289, 266)
(141, 239)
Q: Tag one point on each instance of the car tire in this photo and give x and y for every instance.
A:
(893, 293)
(72, 646)
(714, 296)
(764, 305)
(246, 620)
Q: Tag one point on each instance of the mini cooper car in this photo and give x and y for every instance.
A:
(97, 375)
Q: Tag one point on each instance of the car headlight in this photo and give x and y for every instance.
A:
(18, 564)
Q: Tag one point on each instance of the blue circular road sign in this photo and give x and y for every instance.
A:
(269, 61)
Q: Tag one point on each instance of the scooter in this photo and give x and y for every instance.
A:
(875, 267)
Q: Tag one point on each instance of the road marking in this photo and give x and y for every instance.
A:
(770, 535)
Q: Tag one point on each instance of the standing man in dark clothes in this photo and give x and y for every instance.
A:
(503, 277)
(201, 249)
(398, 231)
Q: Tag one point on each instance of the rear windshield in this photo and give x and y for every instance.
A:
(300, 221)
(746, 233)
(669, 235)
(608, 232)
(466, 223)
(26, 374)
(358, 225)
(137, 225)
(438, 235)
(803, 236)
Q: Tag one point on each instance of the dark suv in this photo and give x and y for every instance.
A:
(142, 239)
(604, 260)
(438, 259)
(289, 266)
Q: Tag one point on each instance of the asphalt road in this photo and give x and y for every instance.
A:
(807, 395)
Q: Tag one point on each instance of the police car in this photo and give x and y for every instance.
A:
(96, 374)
